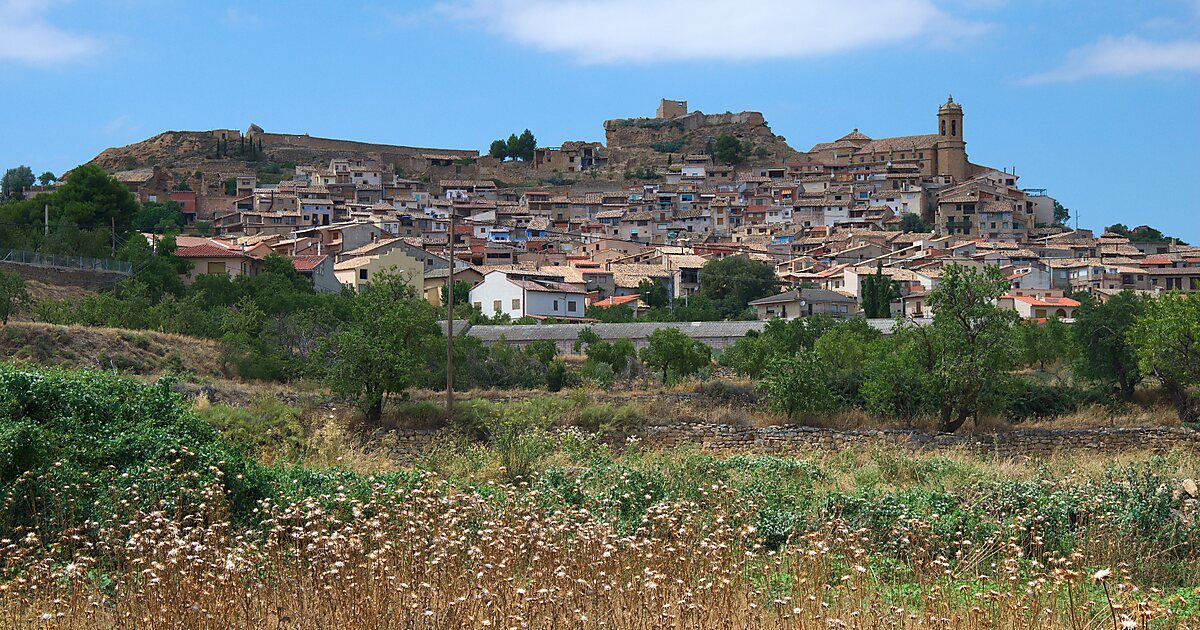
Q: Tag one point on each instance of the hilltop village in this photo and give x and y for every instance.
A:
(587, 223)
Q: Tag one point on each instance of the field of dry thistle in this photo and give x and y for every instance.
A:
(137, 516)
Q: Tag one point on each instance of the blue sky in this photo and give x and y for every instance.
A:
(1098, 101)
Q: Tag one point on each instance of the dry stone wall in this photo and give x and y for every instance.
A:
(795, 440)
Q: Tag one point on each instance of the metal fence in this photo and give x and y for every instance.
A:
(22, 257)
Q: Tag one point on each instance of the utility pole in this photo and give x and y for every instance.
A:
(450, 322)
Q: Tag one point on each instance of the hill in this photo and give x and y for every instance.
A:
(140, 352)
(179, 149)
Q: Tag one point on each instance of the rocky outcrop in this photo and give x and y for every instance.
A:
(693, 133)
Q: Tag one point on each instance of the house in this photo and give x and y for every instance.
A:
(214, 257)
(528, 294)
(319, 271)
(804, 303)
(1039, 307)
(360, 270)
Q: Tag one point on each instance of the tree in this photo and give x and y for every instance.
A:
(380, 350)
(878, 291)
(1142, 234)
(669, 349)
(653, 293)
(230, 186)
(158, 217)
(462, 293)
(91, 199)
(911, 222)
(1167, 342)
(733, 282)
(1043, 344)
(544, 350)
(729, 150)
(1061, 213)
(970, 340)
(526, 144)
(45, 179)
(16, 180)
(13, 295)
(795, 384)
(498, 150)
(616, 355)
(1100, 332)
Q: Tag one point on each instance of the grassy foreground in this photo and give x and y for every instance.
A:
(123, 508)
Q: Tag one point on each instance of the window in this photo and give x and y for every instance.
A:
(216, 267)
(953, 127)
(556, 305)
(362, 274)
(479, 305)
(516, 304)
(496, 305)
(571, 306)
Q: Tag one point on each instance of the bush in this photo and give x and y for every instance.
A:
(668, 146)
(1026, 400)
(78, 434)
(609, 420)
(266, 427)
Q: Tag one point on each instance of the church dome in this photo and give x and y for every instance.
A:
(950, 105)
(855, 135)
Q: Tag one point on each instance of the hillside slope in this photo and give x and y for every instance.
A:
(141, 352)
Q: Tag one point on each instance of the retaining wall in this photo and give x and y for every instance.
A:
(786, 440)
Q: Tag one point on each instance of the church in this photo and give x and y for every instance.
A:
(941, 153)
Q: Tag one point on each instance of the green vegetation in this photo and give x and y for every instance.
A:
(1167, 339)
(910, 222)
(673, 352)
(729, 150)
(122, 492)
(14, 297)
(85, 215)
(516, 147)
(380, 349)
(735, 281)
(1142, 234)
(15, 180)
(878, 292)
(668, 146)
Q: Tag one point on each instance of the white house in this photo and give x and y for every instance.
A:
(528, 294)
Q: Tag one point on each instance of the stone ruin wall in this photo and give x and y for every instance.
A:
(793, 440)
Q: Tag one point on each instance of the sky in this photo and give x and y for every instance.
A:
(1096, 101)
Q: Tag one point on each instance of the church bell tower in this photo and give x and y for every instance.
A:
(951, 148)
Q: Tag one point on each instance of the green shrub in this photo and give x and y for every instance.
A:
(1026, 400)
(266, 427)
(67, 438)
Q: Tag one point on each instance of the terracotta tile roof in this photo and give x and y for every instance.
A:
(307, 263)
(618, 300)
(209, 251)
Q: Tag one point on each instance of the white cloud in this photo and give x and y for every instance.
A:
(1124, 57)
(613, 31)
(26, 36)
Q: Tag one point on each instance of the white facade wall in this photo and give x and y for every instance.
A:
(516, 303)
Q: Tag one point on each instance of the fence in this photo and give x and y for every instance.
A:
(22, 257)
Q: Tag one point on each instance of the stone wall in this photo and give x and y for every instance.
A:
(278, 141)
(1033, 442)
(793, 440)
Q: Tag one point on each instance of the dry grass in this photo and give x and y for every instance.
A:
(433, 555)
(140, 352)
